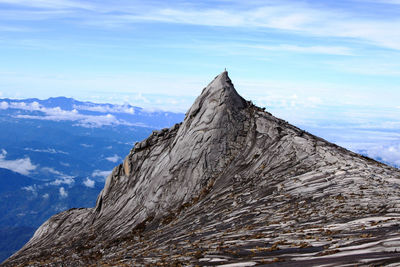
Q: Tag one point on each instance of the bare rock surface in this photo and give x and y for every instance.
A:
(231, 185)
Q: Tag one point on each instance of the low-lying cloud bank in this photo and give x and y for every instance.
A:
(113, 159)
(47, 150)
(22, 166)
(389, 153)
(59, 114)
(89, 183)
(104, 108)
(348, 126)
(101, 174)
(88, 114)
(63, 193)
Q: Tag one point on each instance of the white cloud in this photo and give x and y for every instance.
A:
(64, 178)
(368, 66)
(48, 150)
(313, 100)
(107, 108)
(89, 183)
(34, 106)
(4, 105)
(31, 188)
(13, 29)
(114, 158)
(58, 114)
(52, 4)
(389, 153)
(330, 50)
(59, 208)
(392, 2)
(66, 181)
(102, 174)
(86, 145)
(288, 16)
(86, 87)
(46, 196)
(22, 166)
(63, 192)
(296, 17)
(139, 97)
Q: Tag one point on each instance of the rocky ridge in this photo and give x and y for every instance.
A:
(230, 184)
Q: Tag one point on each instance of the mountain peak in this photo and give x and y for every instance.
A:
(221, 80)
(236, 183)
(220, 91)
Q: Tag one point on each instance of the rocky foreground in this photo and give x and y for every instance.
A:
(231, 185)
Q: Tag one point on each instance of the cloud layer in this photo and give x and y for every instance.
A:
(48, 150)
(63, 193)
(297, 17)
(89, 183)
(107, 108)
(22, 166)
(58, 114)
(388, 153)
(114, 158)
(101, 174)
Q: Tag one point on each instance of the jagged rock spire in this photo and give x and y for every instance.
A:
(192, 156)
(231, 181)
(219, 91)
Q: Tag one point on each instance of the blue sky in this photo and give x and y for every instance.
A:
(331, 66)
(281, 54)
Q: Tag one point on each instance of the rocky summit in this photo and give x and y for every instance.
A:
(231, 185)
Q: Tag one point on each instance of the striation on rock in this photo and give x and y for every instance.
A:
(230, 184)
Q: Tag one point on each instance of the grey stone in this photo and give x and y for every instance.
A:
(234, 184)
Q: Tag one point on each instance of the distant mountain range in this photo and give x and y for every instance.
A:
(63, 138)
(55, 155)
(88, 114)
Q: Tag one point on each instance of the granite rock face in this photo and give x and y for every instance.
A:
(230, 184)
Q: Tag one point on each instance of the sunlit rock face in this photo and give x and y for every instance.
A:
(230, 184)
